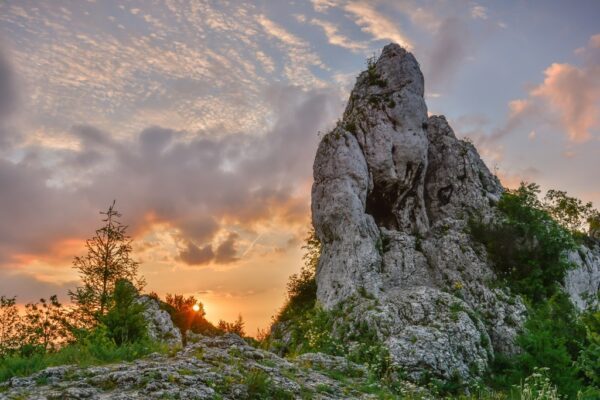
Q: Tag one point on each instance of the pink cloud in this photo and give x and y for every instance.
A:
(574, 93)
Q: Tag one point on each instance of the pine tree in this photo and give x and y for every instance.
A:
(125, 320)
(108, 259)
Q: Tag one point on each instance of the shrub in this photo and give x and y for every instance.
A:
(10, 339)
(185, 317)
(125, 320)
(527, 247)
(236, 327)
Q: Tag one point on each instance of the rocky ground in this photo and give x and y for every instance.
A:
(223, 367)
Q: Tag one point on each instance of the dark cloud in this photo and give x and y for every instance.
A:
(450, 49)
(194, 183)
(194, 255)
(226, 252)
(8, 93)
(28, 288)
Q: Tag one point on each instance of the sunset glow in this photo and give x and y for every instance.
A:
(202, 120)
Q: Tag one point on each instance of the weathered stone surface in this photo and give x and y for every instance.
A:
(393, 191)
(582, 283)
(159, 323)
(213, 367)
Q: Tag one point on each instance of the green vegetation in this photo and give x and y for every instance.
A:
(105, 325)
(236, 326)
(528, 247)
(373, 77)
(96, 347)
(187, 313)
(125, 321)
(260, 386)
(107, 261)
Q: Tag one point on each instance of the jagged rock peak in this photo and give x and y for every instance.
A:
(393, 190)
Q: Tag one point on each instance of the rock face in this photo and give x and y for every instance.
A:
(159, 324)
(582, 283)
(392, 195)
(224, 367)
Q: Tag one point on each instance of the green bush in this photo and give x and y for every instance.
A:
(125, 321)
(553, 338)
(527, 247)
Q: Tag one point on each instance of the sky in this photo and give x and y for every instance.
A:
(201, 118)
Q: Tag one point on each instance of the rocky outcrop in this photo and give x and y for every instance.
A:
(158, 322)
(393, 192)
(582, 283)
(223, 367)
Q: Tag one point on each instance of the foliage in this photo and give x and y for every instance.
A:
(94, 349)
(588, 362)
(570, 212)
(528, 248)
(373, 77)
(260, 386)
(538, 386)
(44, 327)
(108, 259)
(553, 338)
(302, 287)
(236, 327)
(9, 331)
(185, 318)
(125, 321)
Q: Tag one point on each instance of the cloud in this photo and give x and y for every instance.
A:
(298, 51)
(199, 184)
(568, 98)
(226, 252)
(8, 95)
(28, 288)
(479, 12)
(335, 38)
(450, 49)
(194, 255)
(376, 24)
(575, 94)
(324, 5)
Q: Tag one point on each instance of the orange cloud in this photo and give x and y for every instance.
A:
(574, 93)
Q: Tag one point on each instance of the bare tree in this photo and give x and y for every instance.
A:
(108, 259)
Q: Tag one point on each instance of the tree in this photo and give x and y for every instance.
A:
(9, 322)
(236, 327)
(302, 287)
(43, 325)
(188, 314)
(125, 320)
(570, 212)
(108, 259)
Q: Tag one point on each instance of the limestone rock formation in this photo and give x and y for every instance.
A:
(159, 324)
(582, 283)
(393, 192)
